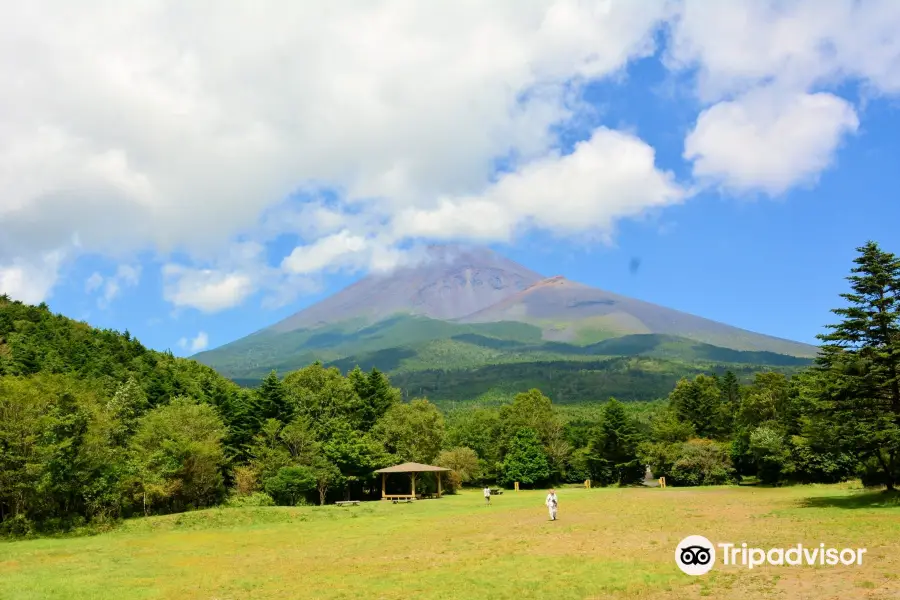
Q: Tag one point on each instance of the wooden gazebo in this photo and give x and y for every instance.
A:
(412, 469)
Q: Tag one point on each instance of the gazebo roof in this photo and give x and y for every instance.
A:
(411, 467)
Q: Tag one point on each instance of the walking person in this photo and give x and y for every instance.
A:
(487, 495)
(552, 503)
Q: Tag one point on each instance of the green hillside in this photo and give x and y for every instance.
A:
(35, 341)
(448, 361)
(254, 356)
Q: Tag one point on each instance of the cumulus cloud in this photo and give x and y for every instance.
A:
(30, 279)
(742, 44)
(610, 176)
(149, 125)
(196, 344)
(182, 127)
(208, 290)
(768, 141)
(238, 273)
(762, 66)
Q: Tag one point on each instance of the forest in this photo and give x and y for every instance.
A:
(94, 427)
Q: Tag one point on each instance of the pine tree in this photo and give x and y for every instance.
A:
(383, 396)
(697, 402)
(730, 403)
(271, 400)
(731, 389)
(612, 453)
(860, 364)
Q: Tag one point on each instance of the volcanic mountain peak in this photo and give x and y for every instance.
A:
(455, 291)
(448, 282)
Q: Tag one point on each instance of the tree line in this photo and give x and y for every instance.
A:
(95, 427)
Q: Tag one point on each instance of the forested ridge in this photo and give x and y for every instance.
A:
(95, 427)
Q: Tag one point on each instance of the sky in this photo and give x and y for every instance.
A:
(193, 172)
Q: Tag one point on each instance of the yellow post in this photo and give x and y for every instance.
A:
(383, 475)
(587, 484)
(517, 486)
(439, 483)
(662, 482)
(413, 477)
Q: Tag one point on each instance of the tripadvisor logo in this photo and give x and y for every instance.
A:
(696, 555)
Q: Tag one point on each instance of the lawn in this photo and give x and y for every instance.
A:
(608, 543)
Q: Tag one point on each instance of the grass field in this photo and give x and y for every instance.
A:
(608, 543)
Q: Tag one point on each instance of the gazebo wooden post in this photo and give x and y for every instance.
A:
(412, 469)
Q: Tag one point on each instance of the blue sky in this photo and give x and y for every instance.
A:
(203, 207)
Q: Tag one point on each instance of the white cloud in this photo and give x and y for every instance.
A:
(764, 65)
(182, 126)
(610, 176)
(195, 344)
(128, 274)
(110, 291)
(743, 44)
(207, 290)
(767, 141)
(30, 280)
(149, 126)
(93, 282)
(336, 250)
(125, 275)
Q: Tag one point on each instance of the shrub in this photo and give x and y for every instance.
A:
(253, 499)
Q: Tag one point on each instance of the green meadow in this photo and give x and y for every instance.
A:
(607, 543)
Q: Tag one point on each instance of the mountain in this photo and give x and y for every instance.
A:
(570, 311)
(36, 342)
(450, 282)
(470, 311)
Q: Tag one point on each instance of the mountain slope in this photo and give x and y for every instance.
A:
(570, 311)
(470, 309)
(35, 341)
(449, 283)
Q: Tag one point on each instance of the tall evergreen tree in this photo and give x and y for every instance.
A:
(730, 403)
(613, 450)
(860, 366)
(697, 402)
(271, 400)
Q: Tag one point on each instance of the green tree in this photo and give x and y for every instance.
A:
(477, 428)
(859, 365)
(463, 465)
(698, 403)
(126, 406)
(525, 460)
(532, 410)
(375, 393)
(770, 453)
(356, 454)
(267, 452)
(613, 454)
(178, 457)
(299, 438)
(290, 484)
(412, 432)
(324, 395)
(327, 476)
(271, 400)
(700, 462)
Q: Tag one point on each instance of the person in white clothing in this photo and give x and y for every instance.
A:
(487, 495)
(552, 503)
